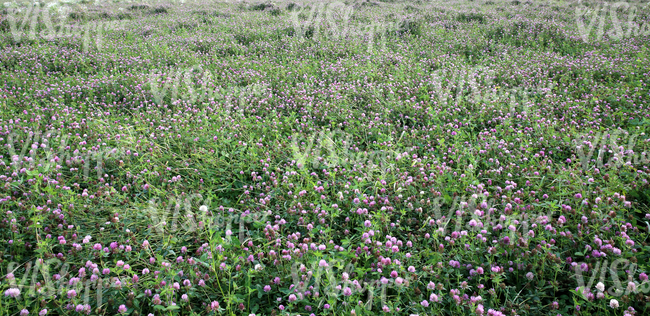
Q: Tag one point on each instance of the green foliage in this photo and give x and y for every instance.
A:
(383, 121)
(470, 17)
(410, 27)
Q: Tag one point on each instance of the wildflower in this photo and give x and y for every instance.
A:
(530, 276)
(292, 298)
(122, 309)
(424, 303)
(43, 312)
(214, 305)
(600, 286)
(185, 297)
(24, 312)
(12, 292)
(613, 303)
(479, 309)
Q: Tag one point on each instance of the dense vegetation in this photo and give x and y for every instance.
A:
(394, 157)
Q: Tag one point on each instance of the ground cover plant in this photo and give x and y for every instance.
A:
(324, 158)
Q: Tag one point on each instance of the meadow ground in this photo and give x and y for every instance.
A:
(474, 157)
